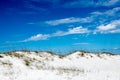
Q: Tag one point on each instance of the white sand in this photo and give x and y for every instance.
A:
(46, 66)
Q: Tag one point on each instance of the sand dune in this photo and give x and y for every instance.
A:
(46, 66)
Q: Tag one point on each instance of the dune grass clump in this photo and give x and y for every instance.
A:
(17, 55)
(50, 52)
(70, 70)
(7, 53)
(82, 54)
(27, 62)
(61, 56)
(107, 53)
(6, 63)
(1, 56)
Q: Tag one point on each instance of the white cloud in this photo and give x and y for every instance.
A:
(94, 18)
(113, 11)
(115, 31)
(91, 3)
(76, 30)
(69, 20)
(59, 33)
(110, 2)
(113, 27)
(110, 12)
(74, 3)
(106, 27)
(106, 16)
(37, 37)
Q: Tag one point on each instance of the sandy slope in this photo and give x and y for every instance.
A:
(46, 66)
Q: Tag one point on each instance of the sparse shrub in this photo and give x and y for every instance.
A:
(7, 53)
(36, 51)
(50, 52)
(46, 59)
(17, 55)
(82, 51)
(27, 63)
(61, 56)
(70, 70)
(82, 54)
(91, 56)
(1, 56)
(107, 53)
(34, 59)
(99, 55)
(7, 63)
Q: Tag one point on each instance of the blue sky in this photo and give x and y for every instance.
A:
(60, 25)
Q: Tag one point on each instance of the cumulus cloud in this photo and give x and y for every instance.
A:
(69, 20)
(113, 27)
(76, 30)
